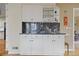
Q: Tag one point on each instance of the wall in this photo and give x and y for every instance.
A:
(76, 12)
(2, 20)
(69, 30)
(2, 10)
(13, 17)
(77, 24)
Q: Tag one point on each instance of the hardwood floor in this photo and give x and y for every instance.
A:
(72, 53)
(2, 46)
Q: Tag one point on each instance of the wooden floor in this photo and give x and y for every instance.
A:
(72, 53)
(2, 46)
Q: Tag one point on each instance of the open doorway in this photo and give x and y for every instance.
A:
(2, 28)
(76, 29)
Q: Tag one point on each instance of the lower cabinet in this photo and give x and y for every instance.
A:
(31, 45)
(37, 46)
(42, 45)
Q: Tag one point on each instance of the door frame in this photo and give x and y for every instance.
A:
(74, 27)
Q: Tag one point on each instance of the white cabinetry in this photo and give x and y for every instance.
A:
(30, 45)
(53, 44)
(37, 46)
(42, 44)
(25, 45)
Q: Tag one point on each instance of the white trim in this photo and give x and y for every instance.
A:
(70, 49)
(12, 52)
(73, 30)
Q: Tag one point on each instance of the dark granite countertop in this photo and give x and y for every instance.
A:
(43, 33)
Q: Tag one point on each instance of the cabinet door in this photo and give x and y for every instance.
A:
(53, 45)
(47, 45)
(25, 45)
(59, 43)
(37, 45)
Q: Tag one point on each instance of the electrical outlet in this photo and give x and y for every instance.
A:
(14, 47)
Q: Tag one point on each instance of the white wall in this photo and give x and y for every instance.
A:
(76, 12)
(2, 20)
(13, 17)
(2, 9)
(31, 12)
(1, 35)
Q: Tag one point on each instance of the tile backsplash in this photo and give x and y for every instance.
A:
(40, 27)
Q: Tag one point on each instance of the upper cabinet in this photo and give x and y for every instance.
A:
(40, 13)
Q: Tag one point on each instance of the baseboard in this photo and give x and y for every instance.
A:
(12, 52)
(70, 49)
